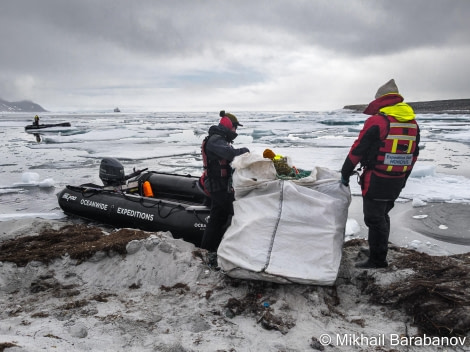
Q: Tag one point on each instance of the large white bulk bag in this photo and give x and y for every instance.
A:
(284, 230)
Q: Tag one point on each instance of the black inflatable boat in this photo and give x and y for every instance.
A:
(46, 125)
(146, 200)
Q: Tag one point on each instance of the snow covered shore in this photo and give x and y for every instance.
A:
(135, 291)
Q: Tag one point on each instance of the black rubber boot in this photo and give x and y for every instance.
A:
(365, 251)
(369, 264)
(212, 261)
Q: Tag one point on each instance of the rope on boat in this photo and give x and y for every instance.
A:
(197, 216)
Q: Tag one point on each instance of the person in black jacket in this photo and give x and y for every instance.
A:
(387, 148)
(217, 154)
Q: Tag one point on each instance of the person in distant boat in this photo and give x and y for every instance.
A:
(387, 148)
(36, 120)
(217, 154)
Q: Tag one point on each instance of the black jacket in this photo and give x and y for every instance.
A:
(219, 151)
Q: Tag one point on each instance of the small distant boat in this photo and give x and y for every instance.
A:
(46, 125)
(117, 109)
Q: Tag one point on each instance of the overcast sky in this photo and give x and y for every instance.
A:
(196, 55)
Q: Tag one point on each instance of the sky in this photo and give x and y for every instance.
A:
(238, 55)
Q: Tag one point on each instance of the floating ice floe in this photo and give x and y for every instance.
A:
(8, 190)
(422, 170)
(31, 179)
(427, 186)
(16, 216)
(418, 203)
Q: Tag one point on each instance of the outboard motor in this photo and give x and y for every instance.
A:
(112, 172)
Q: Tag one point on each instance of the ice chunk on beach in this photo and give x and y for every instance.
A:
(352, 227)
(415, 244)
(420, 216)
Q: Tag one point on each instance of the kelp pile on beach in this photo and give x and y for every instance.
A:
(433, 290)
(78, 241)
(436, 295)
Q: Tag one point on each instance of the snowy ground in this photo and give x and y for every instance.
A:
(161, 296)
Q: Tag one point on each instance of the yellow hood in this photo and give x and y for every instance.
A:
(401, 111)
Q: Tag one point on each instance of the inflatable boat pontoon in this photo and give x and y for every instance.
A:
(146, 200)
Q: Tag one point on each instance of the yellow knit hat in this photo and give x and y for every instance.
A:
(269, 154)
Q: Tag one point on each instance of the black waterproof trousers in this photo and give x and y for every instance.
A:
(378, 221)
(221, 212)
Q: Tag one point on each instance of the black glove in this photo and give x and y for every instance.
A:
(345, 181)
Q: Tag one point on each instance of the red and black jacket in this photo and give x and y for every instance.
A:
(387, 148)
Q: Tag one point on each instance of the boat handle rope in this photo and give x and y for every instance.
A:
(86, 191)
(197, 217)
(158, 204)
(172, 210)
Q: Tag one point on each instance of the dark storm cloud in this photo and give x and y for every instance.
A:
(379, 27)
(181, 27)
(52, 45)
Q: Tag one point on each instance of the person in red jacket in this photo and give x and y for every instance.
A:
(387, 148)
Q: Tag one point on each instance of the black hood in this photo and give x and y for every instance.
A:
(223, 131)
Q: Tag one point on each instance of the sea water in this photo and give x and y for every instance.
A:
(34, 167)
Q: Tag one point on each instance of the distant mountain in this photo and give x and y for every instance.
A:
(455, 106)
(20, 106)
